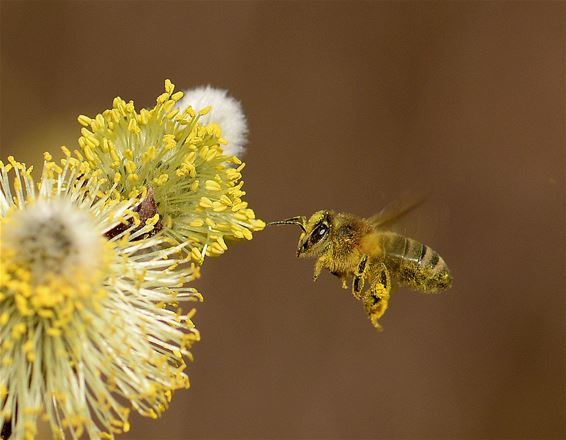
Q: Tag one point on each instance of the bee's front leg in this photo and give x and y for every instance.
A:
(320, 264)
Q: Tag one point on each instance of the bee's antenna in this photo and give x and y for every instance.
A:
(299, 220)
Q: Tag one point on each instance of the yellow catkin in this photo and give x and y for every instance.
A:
(170, 149)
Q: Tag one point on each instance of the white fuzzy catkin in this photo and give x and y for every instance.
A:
(226, 111)
(53, 237)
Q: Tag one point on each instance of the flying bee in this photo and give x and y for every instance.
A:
(375, 259)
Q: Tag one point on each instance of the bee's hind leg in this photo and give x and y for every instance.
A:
(358, 280)
(376, 299)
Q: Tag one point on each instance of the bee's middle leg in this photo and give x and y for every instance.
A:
(358, 280)
(343, 277)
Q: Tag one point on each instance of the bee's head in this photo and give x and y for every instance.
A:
(315, 232)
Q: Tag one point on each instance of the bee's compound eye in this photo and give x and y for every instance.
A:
(318, 233)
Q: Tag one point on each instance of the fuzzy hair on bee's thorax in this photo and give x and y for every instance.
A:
(340, 245)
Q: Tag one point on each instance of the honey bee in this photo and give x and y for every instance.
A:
(373, 257)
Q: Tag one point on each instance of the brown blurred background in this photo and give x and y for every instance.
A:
(350, 105)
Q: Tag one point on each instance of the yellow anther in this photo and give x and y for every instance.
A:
(161, 180)
(225, 199)
(130, 166)
(152, 220)
(205, 202)
(100, 121)
(105, 145)
(177, 96)
(162, 98)
(27, 346)
(169, 141)
(78, 155)
(149, 155)
(133, 126)
(222, 243)
(218, 206)
(66, 151)
(114, 156)
(143, 116)
(18, 330)
(190, 111)
(211, 185)
(173, 113)
(168, 106)
(89, 154)
(205, 110)
(52, 331)
(84, 120)
(169, 86)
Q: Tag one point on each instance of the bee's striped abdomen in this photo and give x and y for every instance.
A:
(415, 264)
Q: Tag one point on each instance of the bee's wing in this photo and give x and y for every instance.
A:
(394, 211)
